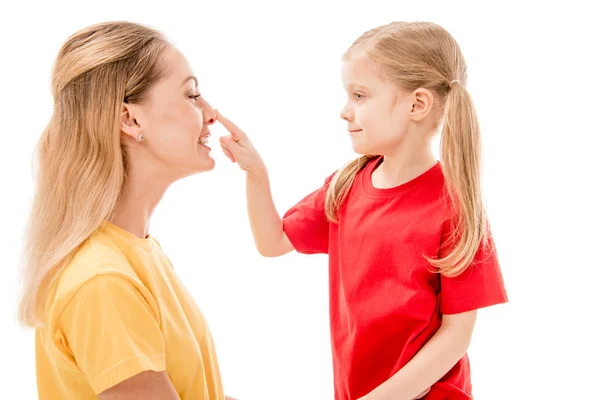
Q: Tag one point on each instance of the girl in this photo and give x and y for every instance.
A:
(113, 320)
(411, 258)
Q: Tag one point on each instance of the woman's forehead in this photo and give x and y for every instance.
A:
(177, 67)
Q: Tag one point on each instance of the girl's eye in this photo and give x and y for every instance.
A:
(194, 96)
(358, 96)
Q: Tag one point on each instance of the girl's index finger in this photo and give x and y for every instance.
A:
(236, 133)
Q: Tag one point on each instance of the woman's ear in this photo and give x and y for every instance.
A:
(129, 124)
(422, 103)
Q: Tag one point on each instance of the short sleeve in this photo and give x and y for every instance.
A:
(480, 285)
(306, 224)
(112, 332)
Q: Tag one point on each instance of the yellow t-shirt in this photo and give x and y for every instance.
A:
(118, 309)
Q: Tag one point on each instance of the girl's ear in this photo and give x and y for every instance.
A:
(422, 104)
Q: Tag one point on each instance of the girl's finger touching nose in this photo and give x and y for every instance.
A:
(236, 132)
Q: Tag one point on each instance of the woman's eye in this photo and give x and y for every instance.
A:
(358, 96)
(194, 96)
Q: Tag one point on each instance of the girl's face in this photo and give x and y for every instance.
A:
(377, 112)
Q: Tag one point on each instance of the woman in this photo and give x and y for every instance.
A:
(112, 319)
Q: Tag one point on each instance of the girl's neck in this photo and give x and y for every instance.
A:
(403, 165)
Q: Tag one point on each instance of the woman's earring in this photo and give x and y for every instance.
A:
(140, 137)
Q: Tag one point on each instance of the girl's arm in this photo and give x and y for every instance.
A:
(432, 362)
(266, 224)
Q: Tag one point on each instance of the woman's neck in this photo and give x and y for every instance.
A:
(141, 193)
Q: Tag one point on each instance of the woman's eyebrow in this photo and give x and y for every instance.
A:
(192, 78)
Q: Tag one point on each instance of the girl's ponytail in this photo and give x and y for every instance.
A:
(461, 163)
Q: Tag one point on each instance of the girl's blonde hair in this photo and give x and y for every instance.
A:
(81, 161)
(424, 55)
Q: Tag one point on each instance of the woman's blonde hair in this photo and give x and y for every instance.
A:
(424, 55)
(81, 162)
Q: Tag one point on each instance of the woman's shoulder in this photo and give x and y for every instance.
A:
(96, 258)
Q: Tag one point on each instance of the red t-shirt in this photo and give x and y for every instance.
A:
(385, 301)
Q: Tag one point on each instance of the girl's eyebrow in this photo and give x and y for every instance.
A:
(356, 86)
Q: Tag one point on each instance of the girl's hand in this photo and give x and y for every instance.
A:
(238, 148)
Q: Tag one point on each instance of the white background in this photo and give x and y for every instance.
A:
(274, 69)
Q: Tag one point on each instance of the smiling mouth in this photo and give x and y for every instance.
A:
(204, 139)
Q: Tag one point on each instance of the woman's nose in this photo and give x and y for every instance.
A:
(210, 116)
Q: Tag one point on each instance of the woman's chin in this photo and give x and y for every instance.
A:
(211, 165)
(206, 164)
(205, 161)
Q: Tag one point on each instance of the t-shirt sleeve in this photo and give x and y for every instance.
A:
(306, 224)
(112, 331)
(480, 285)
